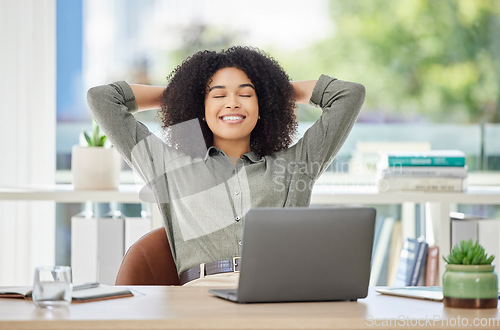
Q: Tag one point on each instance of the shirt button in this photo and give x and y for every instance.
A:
(237, 218)
(237, 192)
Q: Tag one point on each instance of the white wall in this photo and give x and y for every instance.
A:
(27, 134)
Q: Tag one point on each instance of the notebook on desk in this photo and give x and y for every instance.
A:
(304, 254)
(419, 292)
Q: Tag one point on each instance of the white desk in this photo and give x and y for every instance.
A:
(440, 203)
(194, 308)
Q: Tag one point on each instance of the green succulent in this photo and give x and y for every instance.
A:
(95, 138)
(468, 253)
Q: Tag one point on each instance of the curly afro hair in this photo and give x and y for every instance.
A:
(184, 97)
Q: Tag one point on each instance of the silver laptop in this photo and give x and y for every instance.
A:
(304, 254)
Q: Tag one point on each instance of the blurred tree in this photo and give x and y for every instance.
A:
(438, 59)
(199, 36)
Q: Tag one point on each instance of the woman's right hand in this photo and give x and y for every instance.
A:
(302, 90)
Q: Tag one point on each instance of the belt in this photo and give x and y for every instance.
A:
(211, 268)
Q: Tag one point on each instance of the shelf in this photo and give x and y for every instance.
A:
(322, 194)
(364, 194)
(64, 193)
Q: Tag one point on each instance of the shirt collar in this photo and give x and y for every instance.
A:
(251, 156)
(211, 151)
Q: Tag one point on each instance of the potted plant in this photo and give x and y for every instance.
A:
(95, 165)
(469, 280)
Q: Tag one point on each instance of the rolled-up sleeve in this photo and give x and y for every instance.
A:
(112, 107)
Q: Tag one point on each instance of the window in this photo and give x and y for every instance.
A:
(431, 68)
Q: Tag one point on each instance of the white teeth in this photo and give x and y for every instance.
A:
(232, 117)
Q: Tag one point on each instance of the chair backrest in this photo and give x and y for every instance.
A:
(149, 261)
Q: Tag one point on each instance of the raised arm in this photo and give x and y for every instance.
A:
(147, 97)
(303, 90)
(112, 106)
(341, 102)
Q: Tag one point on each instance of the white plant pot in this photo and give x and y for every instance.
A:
(95, 168)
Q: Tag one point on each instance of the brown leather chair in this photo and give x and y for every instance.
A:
(149, 261)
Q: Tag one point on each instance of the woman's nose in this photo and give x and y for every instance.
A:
(232, 102)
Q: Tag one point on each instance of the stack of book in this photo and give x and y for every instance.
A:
(433, 170)
(418, 264)
(411, 264)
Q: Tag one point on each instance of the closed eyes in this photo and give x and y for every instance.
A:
(222, 96)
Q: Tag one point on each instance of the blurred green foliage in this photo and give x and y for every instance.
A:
(434, 58)
(198, 37)
(431, 60)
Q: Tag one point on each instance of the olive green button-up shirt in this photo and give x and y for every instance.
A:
(203, 196)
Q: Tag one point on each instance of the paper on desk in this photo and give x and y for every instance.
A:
(101, 292)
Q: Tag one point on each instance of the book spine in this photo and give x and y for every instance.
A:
(425, 161)
(379, 260)
(406, 263)
(431, 276)
(419, 262)
(394, 249)
(427, 171)
(421, 184)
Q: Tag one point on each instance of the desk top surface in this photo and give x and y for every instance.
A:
(194, 308)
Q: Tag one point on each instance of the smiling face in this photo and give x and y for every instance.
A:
(231, 107)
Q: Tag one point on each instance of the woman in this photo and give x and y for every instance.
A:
(228, 120)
